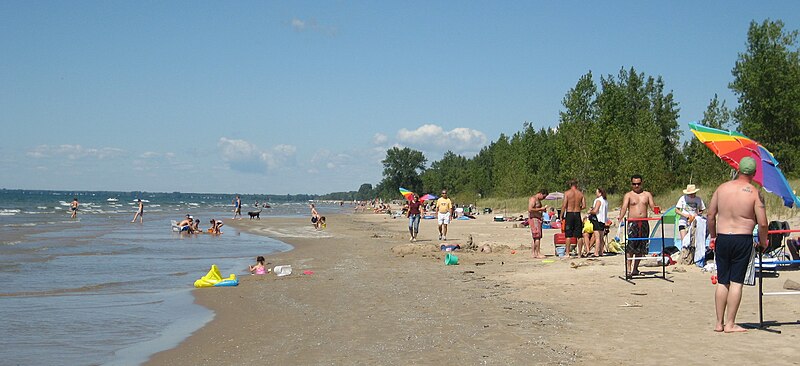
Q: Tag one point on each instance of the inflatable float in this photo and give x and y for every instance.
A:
(214, 279)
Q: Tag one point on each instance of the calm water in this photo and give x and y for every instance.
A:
(101, 290)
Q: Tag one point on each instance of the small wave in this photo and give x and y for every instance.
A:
(10, 210)
(27, 224)
(41, 207)
(73, 290)
(7, 213)
(10, 243)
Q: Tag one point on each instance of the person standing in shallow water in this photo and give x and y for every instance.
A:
(237, 207)
(139, 212)
(535, 213)
(74, 208)
(736, 207)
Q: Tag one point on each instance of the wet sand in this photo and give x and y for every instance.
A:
(375, 298)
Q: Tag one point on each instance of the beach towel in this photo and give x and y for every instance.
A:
(700, 241)
(750, 274)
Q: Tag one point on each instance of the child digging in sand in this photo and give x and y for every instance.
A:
(259, 268)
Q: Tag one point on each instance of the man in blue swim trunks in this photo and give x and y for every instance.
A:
(736, 207)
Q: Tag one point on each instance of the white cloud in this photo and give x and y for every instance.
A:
(379, 139)
(298, 25)
(302, 25)
(74, 152)
(431, 137)
(330, 160)
(244, 156)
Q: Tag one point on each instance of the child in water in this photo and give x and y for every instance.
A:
(259, 268)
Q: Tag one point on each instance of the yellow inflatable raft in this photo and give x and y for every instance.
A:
(214, 279)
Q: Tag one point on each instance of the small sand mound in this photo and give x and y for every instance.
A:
(408, 249)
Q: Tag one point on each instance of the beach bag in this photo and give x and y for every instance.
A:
(614, 246)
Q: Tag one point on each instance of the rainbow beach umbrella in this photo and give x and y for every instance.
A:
(731, 147)
(406, 193)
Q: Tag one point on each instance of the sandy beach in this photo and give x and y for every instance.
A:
(371, 297)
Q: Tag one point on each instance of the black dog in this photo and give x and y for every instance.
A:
(255, 214)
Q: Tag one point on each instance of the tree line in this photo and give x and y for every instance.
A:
(622, 124)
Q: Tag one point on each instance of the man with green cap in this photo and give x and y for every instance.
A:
(736, 207)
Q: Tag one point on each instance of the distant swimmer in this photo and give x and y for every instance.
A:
(139, 212)
(74, 208)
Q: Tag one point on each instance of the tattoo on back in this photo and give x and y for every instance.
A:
(747, 189)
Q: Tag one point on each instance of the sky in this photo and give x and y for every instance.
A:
(279, 97)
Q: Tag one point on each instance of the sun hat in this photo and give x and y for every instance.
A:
(747, 165)
(690, 189)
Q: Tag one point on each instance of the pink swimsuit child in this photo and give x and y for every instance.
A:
(261, 270)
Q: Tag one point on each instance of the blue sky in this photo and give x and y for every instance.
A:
(307, 96)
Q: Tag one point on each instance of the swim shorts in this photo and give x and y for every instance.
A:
(443, 218)
(638, 229)
(732, 257)
(573, 225)
(536, 227)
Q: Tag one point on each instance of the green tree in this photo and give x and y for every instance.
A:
(577, 141)
(704, 167)
(767, 84)
(365, 192)
(449, 173)
(401, 168)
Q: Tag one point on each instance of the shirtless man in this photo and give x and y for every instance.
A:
(574, 202)
(736, 207)
(139, 212)
(535, 211)
(636, 203)
(74, 208)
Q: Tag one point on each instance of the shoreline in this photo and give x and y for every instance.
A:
(374, 298)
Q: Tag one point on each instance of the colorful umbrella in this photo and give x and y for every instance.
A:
(733, 146)
(555, 196)
(428, 197)
(406, 193)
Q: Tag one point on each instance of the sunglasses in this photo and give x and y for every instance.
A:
(636, 184)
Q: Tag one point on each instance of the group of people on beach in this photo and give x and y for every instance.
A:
(444, 213)
(736, 208)
(192, 226)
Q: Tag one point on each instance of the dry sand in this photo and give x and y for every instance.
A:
(374, 298)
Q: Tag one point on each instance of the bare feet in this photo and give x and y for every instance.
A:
(719, 328)
(735, 329)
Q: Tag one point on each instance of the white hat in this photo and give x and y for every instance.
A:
(690, 189)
